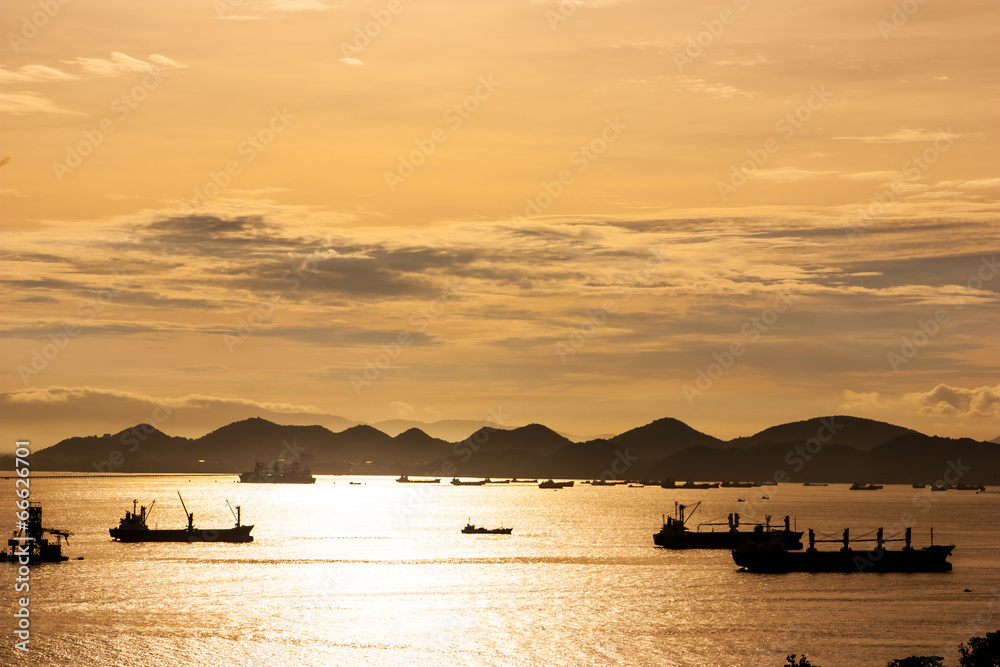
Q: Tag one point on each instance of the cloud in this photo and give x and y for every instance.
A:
(977, 402)
(717, 90)
(26, 102)
(34, 73)
(789, 174)
(353, 62)
(904, 136)
(861, 400)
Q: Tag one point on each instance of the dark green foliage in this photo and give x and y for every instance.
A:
(918, 661)
(981, 651)
(803, 661)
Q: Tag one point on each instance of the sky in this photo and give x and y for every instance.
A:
(586, 214)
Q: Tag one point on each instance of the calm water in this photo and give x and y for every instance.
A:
(378, 574)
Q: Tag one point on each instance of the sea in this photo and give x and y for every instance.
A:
(379, 573)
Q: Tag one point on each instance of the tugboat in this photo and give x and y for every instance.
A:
(671, 484)
(29, 542)
(277, 474)
(404, 479)
(551, 484)
(676, 535)
(133, 528)
(480, 530)
(773, 558)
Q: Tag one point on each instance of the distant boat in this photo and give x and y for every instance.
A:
(939, 487)
(457, 482)
(133, 528)
(28, 545)
(515, 480)
(480, 530)
(355, 483)
(858, 486)
(764, 557)
(404, 479)
(277, 474)
(917, 485)
(604, 482)
(968, 487)
(636, 486)
(815, 484)
(676, 535)
(739, 485)
(550, 484)
(671, 484)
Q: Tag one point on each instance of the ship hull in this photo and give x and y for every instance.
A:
(724, 539)
(928, 559)
(236, 534)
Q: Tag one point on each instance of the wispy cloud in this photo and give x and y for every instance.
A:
(903, 136)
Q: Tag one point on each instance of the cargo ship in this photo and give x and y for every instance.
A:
(276, 473)
(29, 545)
(671, 484)
(676, 535)
(552, 484)
(404, 479)
(133, 528)
(475, 482)
(772, 558)
(480, 530)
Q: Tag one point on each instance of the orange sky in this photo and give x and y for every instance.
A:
(586, 214)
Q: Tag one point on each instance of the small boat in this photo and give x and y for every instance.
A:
(355, 483)
(551, 484)
(815, 484)
(858, 486)
(28, 545)
(676, 535)
(671, 484)
(771, 557)
(636, 486)
(604, 482)
(480, 482)
(404, 479)
(480, 530)
(133, 528)
(939, 487)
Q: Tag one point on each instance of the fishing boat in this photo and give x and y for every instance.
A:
(404, 479)
(480, 530)
(551, 484)
(676, 535)
(474, 482)
(29, 545)
(771, 557)
(671, 484)
(134, 528)
(858, 486)
(277, 473)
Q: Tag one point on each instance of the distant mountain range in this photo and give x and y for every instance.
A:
(823, 449)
